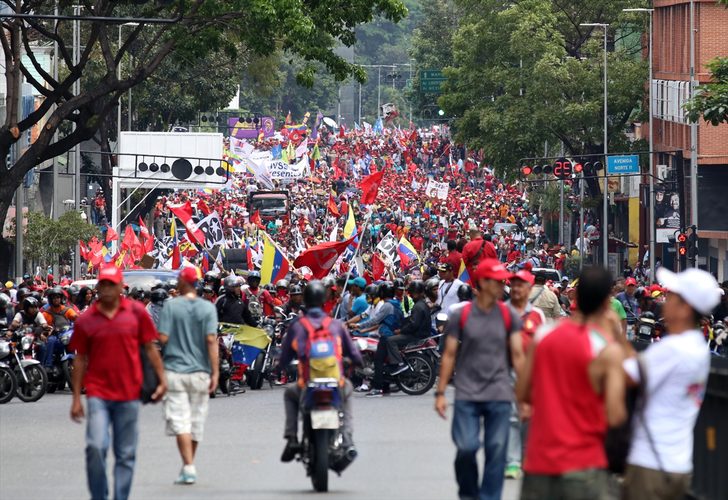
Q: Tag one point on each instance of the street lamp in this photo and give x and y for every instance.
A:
(605, 232)
(652, 150)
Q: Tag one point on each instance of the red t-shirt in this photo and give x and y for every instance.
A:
(454, 258)
(471, 250)
(112, 346)
(567, 429)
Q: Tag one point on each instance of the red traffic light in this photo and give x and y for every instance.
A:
(683, 250)
(682, 238)
(526, 170)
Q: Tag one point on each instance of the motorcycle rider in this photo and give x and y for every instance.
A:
(282, 291)
(260, 301)
(401, 295)
(293, 345)
(58, 315)
(388, 317)
(417, 326)
(30, 315)
(231, 308)
(295, 300)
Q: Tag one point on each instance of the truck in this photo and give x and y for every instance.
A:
(271, 205)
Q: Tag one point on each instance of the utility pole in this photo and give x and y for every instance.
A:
(693, 131)
(77, 150)
(19, 193)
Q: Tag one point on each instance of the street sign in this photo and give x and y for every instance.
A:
(623, 165)
(431, 80)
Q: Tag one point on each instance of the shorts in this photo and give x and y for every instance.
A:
(185, 404)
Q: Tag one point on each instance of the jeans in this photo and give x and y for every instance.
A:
(292, 401)
(122, 416)
(51, 346)
(515, 446)
(466, 426)
(388, 347)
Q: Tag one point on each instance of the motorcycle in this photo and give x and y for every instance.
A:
(421, 357)
(8, 382)
(225, 339)
(59, 374)
(32, 380)
(262, 367)
(322, 445)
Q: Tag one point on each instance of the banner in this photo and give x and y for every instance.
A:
(388, 248)
(246, 128)
(437, 190)
(212, 229)
(279, 169)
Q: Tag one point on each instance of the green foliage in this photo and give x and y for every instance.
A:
(47, 240)
(527, 73)
(711, 101)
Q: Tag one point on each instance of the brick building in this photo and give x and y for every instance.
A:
(671, 89)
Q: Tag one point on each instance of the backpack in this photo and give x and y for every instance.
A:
(507, 320)
(322, 352)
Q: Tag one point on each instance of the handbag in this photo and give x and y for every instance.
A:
(150, 380)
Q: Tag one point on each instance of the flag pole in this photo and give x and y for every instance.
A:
(356, 254)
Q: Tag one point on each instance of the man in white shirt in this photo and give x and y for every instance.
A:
(660, 461)
(447, 294)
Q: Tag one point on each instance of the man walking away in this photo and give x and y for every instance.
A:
(660, 461)
(545, 299)
(107, 340)
(482, 336)
(574, 382)
(188, 329)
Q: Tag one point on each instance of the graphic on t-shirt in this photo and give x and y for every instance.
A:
(696, 391)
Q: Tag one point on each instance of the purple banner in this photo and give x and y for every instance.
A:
(248, 128)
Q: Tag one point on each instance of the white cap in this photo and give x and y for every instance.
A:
(695, 286)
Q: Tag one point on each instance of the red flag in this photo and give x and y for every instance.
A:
(370, 187)
(342, 130)
(377, 267)
(249, 257)
(131, 243)
(111, 235)
(202, 207)
(333, 209)
(205, 263)
(255, 219)
(321, 258)
(176, 258)
(146, 237)
(184, 213)
(83, 250)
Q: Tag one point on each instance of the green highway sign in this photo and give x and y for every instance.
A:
(431, 80)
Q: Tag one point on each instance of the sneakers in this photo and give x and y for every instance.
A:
(364, 387)
(188, 475)
(290, 451)
(402, 367)
(513, 472)
(375, 393)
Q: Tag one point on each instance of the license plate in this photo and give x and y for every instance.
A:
(324, 419)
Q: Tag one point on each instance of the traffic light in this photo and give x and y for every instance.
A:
(692, 243)
(682, 244)
(563, 169)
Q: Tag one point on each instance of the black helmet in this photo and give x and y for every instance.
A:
(295, 290)
(211, 277)
(315, 294)
(73, 290)
(465, 292)
(29, 302)
(231, 282)
(386, 290)
(159, 295)
(253, 276)
(56, 291)
(282, 284)
(23, 292)
(372, 290)
(416, 286)
(399, 284)
(432, 284)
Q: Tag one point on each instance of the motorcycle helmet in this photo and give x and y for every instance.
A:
(73, 290)
(295, 290)
(386, 290)
(159, 295)
(282, 284)
(465, 292)
(315, 294)
(22, 293)
(416, 286)
(432, 284)
(253, 277)
(372, 291)
(29, 302)
(231, 282)
(56, 291)
(399, 284)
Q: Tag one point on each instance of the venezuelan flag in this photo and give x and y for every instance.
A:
(275, 265)
(350, 226)
(407, 253)
(463, 274)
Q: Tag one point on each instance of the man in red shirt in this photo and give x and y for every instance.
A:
(107, 340)
(453, 257)
(477, 250)
(573, 380)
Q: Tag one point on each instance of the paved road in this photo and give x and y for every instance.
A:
(405, 452)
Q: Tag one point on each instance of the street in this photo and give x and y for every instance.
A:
(405, 452)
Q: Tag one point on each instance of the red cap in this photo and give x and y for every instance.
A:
(525, 276)
(491, 269)
(189, 274)
(630, 281)
(110, 272)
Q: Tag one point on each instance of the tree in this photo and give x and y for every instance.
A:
(527, 73)
(47, 240)
(711, 101)
(234, 28)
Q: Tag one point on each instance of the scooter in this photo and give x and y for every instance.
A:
(322, 446)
